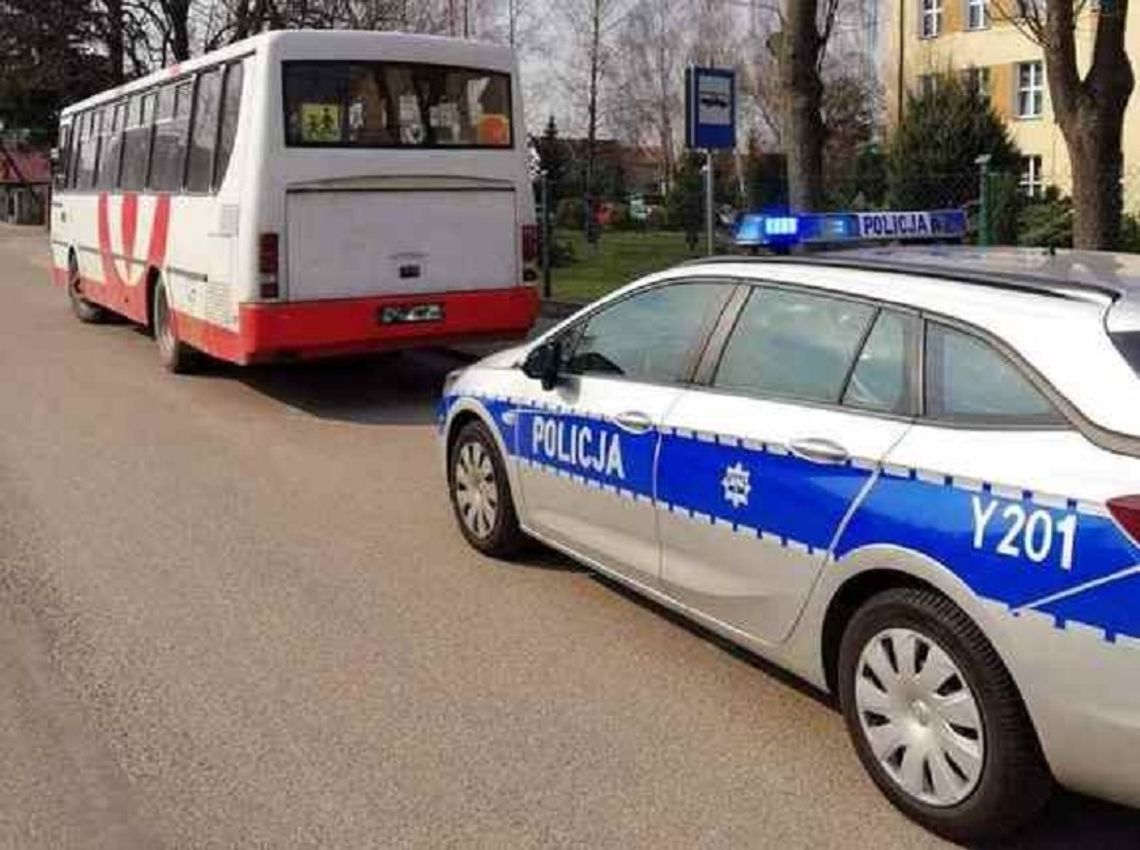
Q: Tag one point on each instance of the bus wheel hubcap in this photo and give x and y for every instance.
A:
(919, 717)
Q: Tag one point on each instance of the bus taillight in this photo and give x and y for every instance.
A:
(268, 250)
(530, 243)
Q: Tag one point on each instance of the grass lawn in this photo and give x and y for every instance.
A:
(620, 257)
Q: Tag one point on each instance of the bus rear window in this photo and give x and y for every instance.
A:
(395, 105)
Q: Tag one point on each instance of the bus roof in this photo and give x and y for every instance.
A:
(324, 44)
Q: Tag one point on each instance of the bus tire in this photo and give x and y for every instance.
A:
(84, 310)
(175, 355)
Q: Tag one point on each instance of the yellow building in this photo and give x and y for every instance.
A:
(977, 39)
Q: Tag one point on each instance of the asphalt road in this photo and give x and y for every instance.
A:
(235, 612)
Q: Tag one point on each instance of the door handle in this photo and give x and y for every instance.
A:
(633, 421)
(819, 450)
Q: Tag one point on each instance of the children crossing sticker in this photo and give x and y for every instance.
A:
(320, 123)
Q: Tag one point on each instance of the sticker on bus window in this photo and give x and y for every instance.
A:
(495, 129)
(320, 123)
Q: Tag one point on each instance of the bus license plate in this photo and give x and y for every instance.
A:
(411, 315)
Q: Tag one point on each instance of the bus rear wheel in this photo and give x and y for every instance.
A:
(83, 309)
(176, 356)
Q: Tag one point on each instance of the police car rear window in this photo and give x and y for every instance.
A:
(970, 382)
(1128, 344)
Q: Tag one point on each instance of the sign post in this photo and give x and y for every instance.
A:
(710, 125)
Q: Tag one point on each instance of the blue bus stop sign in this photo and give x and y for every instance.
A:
(710, 108)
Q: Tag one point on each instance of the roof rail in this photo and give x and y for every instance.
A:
(1014, 281)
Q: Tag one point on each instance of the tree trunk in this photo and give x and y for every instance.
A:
(1094, 144)
(116, 52)
(178, 28)
(592, 128)
(802, 95)
(1090, 113)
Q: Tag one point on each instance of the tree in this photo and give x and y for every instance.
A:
(801, 49)
(1088, 109)
(652, 43)
(47, 61)
(552, 157)
(849, 109)
(592, 22)
(930, 163)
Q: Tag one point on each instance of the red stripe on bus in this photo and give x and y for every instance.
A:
(127, 295)
(308, 330)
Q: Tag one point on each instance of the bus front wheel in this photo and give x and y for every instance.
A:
(83, 309)
(176, 356)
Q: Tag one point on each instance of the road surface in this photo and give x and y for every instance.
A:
(235, 612)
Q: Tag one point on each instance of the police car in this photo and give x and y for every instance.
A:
(909, 476)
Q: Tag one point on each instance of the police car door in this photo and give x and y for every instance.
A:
(587, 447)
(761, 464)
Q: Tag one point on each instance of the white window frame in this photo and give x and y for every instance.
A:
(931, 18)
(1030, 92)
(977, 79)
(981, 8)
(1032, 181)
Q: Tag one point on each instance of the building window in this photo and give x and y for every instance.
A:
(927, 84)
(931, 18)
(1032, 183)
(977, 14)
(977, 80)
(1030, 89)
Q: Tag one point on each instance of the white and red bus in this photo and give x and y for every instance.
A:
(303, 194)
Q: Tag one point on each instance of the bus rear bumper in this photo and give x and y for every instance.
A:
(311, 329)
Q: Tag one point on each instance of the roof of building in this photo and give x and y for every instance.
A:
(22, 164)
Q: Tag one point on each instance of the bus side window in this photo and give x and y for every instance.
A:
(63, 159)
(112, 146)
(136, 143)
(204, 132)
(169, 152)
(77, 126)
(89, 161)
(231, 104)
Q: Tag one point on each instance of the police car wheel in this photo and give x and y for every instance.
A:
(481, 493)
(84, 310)
(936, 718)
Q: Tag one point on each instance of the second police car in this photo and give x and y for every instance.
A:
(908, 476)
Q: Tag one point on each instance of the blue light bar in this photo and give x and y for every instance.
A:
(776, 231)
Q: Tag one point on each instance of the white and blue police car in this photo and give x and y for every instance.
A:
(910, 476)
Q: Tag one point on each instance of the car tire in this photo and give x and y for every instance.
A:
(481, 493)
(953, 747)
(175, 355)
(84, 310)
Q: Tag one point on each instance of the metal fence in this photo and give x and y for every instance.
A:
(598, 244)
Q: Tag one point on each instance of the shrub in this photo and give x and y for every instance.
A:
(931, 159)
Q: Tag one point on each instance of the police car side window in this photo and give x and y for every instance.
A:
(648, 336)
(970, 382)
(793, 345)
(879, 380)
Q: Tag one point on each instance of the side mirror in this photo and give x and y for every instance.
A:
(543, 364)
